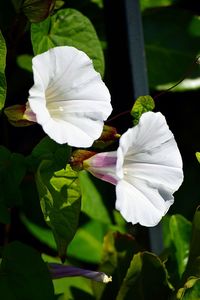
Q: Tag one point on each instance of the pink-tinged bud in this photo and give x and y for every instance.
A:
(77, 158)
(103, 166)
(108, 137)
(20, 115)
(60, 271)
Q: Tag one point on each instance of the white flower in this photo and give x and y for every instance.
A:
(68, 97)
(146, 169)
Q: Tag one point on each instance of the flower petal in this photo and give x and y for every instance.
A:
(67, 90)
(149, 165)
(142, 203)
(149, 151)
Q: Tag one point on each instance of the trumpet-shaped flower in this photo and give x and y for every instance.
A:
(69, 99)
(146, 169)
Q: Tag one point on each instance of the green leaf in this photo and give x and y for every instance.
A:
(47, 149)
(2, 71)
(180, 231)
(118, 250)
(193, 265)
(92, 202)
(99, 3)
(68, 27)
(59, 193)
(23, 274)
(24, 61)
(176, 237)
(88, 240)
(12, 171)
(146, 279)
(172, 44)
(142, 105)
(190, 290)
(144, 4)
(198, 156)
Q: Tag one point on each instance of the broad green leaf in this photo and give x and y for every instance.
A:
(172, 44)
(47, 149)
(118, 250)
(145, 279)
(2, 71)
(190, 291)
(23, 274)
(24, 61)
(193, 265)
(92, 202)
(198, 156)
(12, 171)
(43, 234)
(59, 193)
(68, 27)
(180, 231)
(85, 246)
(176, 238)
(141, 105)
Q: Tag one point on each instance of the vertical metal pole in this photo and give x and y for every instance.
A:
(136, 47)
(135, 42)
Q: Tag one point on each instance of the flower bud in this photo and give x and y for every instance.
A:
(20, 115)
(108, 137)
(77, 158)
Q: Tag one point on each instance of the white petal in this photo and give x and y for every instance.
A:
(149, 151)
(149, 165)
(160, 166)
(141, 203)
(67, 90)
(151, 131)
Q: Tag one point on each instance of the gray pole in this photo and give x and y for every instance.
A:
(135, 41)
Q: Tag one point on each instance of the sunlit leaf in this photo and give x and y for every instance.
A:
(176, 238)
(24, 275)
(2, 71)
(146, 279)
(180, 232)
(142, 105)
(59, 193)
(172, 45)
(198, 156)
(193, 265)
(190, 290)
(68, 27)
